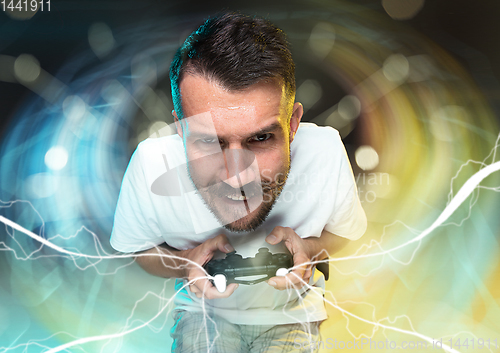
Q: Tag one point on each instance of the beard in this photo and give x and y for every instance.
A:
(244, 215)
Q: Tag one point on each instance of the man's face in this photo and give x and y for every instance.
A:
(238, 147)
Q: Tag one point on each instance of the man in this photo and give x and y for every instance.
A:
(254, 179)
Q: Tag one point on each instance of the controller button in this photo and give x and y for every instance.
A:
(220, 282)
(281, 272)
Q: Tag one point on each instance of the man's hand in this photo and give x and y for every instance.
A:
(167, 262)
(304, 251)
(300, 251)
(201, 286)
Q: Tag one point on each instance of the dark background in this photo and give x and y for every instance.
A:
(469, 30)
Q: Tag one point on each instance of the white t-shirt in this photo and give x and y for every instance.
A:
(320, 193)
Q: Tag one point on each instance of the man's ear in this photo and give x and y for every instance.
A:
(178, 125)
(297, 113)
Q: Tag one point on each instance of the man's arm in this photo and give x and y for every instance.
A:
(304, 251)
(165, 261)
(325, 246)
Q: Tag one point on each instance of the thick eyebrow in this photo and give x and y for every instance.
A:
(264, 130)
(267, 129)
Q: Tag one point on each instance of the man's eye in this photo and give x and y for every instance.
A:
(262, 138)
(209, 140)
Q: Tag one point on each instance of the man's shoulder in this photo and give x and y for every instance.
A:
(171, 146)
(311, 136)
(154, 153)
(158, 144)
(316, 148)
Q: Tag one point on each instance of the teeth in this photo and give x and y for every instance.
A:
(236, 198)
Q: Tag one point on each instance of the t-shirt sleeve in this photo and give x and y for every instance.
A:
(134, 227)
(348, 218)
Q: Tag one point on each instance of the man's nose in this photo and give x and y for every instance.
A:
(241, 167)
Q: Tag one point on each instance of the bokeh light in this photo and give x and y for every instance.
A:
(56, 158)
(308, 93)
(26, 68)
(396, 68)
(366, 157)
(402, 10)
(22, 11)
(322, 39)
(349, 108)
(101, 39)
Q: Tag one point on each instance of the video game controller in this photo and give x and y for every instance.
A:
(234, 267)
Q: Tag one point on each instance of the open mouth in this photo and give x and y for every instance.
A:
(237, 198)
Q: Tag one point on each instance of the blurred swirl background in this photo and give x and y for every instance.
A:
(412, 87)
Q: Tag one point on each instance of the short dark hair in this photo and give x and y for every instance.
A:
(235, 50)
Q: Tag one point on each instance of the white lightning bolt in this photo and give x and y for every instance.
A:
(457, 200)
(464, 192)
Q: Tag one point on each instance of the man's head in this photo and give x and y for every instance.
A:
(233, 88)
(237, 51)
